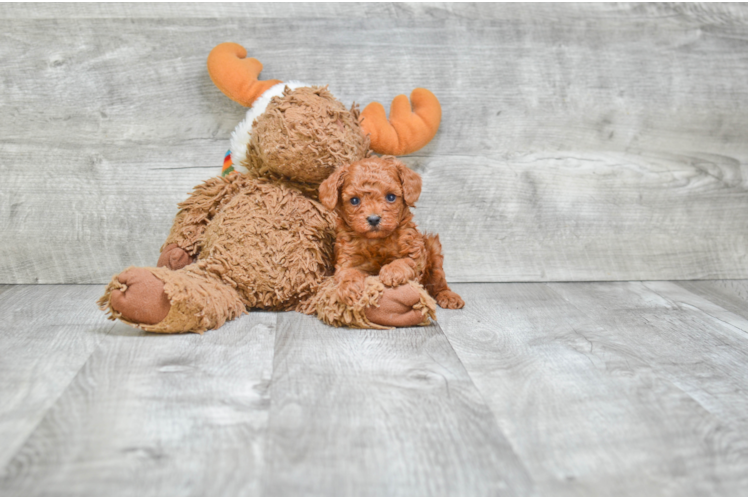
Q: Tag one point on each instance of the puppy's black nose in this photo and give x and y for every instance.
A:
(373, 219)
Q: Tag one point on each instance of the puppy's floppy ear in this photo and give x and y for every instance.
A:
(411, 182)
(329, 190)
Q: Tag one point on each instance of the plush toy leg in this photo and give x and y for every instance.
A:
(164, 301)
(407, 305)
(378, 307)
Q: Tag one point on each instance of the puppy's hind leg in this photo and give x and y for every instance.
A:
(434, 279)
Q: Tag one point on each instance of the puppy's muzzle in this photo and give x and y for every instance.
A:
(373, 220)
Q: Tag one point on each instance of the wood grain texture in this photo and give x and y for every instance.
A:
(598, 217)
(686, 299)
(553, 389)
(98, 219)
(156, 415)
(601, 124)
(359, 412)
(685, 340)
(614, 389)
(711, 13)
(731, 295)
(702, 355)
(47, 333)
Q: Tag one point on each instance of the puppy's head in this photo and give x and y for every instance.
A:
(371, 195)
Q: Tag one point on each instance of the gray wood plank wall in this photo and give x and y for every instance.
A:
(579, 142)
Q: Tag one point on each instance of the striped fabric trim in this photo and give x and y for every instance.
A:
(228, 165)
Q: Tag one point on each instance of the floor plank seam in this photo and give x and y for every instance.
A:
(264, 447)
(508, 436)
(664, 373)
(52, 405)
(727, 324)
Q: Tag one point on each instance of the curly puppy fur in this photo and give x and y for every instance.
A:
(375, 232)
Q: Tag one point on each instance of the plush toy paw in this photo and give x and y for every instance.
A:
(174, 258)
(142, 299)
(396, 273)
(447, 299)
(396, 308)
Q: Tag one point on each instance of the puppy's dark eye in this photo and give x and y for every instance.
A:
(355, 201)
(391, 197)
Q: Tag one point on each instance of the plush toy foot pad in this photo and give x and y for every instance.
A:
(396, 308)
(141, 298)
(174, 258)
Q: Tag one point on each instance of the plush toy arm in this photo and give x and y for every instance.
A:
(378, 307)
(235, 75)
(199, 209)
(407, 130)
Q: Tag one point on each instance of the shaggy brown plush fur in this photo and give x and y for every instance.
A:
(257, 245)
(376, 233)
(276, 257)
(302, 137)
(328, 307)
(261, 240)
(273, 260)
(290, 238)
(197, 302)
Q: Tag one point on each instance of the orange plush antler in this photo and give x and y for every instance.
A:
(407, 130)
(236, 76)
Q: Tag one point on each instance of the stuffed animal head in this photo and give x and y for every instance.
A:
(303, 134)
(300, 134)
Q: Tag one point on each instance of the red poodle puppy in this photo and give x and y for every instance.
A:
(376, 234)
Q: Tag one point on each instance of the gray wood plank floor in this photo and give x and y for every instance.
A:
(618, 388)
(380, 413)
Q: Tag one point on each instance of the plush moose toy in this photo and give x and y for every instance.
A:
(257, 237)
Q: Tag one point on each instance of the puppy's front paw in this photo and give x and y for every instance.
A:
(395, 274)
(350, 291)
(350, 285)
(447, 299)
